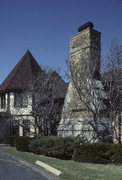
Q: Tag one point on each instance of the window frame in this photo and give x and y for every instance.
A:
(3, 101)
(20, 100)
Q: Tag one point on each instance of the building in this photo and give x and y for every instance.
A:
(18, 106)
(82, 104)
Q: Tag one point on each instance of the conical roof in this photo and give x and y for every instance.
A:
(22, 74)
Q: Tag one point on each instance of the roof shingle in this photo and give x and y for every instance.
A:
(22, 74)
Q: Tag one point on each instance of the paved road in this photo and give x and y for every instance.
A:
(12, 168)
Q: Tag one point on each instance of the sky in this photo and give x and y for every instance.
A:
(45, 27)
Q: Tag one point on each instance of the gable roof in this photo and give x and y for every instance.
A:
(22, 74)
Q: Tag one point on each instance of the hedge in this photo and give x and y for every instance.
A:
(116, 153)
(92, 153)
(68, 148)
(10, 140)
(53, 146)
(98, 153)
(22, 143)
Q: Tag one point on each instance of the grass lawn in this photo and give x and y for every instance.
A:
(74, 170)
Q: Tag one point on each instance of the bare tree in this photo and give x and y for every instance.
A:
(45, 100)
(88, 98)
(99, 104)
(112, 81)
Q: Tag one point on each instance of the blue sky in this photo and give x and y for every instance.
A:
(45, 26)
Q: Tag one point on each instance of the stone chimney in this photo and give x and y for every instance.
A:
(86, 46)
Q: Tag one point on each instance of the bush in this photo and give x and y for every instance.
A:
(98, 153)
(116, 154)
(53, 146)
(10, 140)
(22, 143)
(93, 153)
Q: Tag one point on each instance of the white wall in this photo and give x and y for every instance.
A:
(16, 110)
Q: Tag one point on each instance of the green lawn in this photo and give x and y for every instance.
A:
(74, 170)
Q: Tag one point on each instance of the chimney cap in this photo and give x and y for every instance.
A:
(84, 26)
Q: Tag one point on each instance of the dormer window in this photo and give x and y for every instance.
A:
(20, 100)
(3, 101)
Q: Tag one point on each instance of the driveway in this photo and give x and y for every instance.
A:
(13, 168)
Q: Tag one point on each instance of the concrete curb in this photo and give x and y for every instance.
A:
(49, 168)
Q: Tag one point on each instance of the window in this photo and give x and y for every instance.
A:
(20, 100)
(3, 101)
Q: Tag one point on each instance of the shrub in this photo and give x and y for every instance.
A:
(10, 140)
(53, 146)
(93, 153)
(116, 153)
(22, 143)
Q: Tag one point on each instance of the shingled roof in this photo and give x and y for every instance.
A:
(22, 74)
(61, 84)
